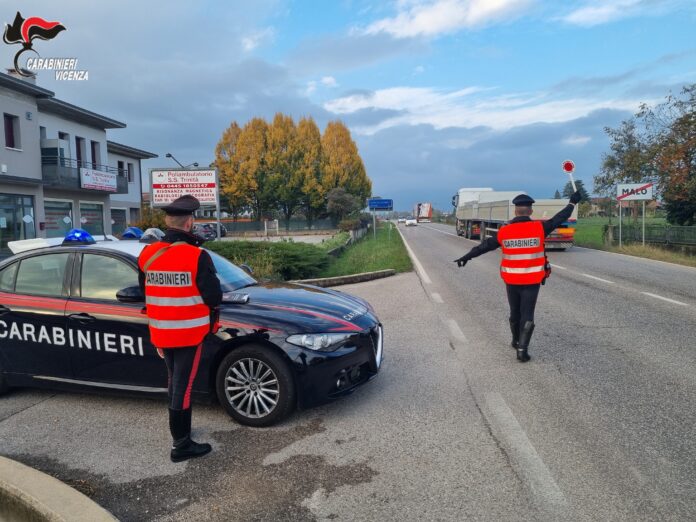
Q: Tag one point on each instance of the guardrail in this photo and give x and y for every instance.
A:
(657, 234)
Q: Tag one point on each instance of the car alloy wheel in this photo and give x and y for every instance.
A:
(251, 387)
(255, 385)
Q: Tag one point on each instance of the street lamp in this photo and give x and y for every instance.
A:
(168, 155)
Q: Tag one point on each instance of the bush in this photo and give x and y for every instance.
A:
(349, 224)
(150, 218)
(278, 261)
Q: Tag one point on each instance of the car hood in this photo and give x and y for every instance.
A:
(296, 308)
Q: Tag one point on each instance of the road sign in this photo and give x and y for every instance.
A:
(568, 166)
(169, 184)
(380, 204)
(634, 191)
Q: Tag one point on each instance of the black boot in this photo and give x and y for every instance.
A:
(515, 329)
(183, 447)
(525, 337)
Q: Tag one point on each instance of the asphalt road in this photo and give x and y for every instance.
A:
(598, 426)
(608, 401)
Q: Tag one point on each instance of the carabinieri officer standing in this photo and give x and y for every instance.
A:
(524, 265)
(181, 291)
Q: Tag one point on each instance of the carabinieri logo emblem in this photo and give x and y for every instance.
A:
(24, 32)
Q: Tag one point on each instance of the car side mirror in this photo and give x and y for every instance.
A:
(247, 269)
(131, 294)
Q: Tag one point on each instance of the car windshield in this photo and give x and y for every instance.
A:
(231, 276)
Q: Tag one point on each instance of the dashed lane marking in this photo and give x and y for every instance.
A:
(598, 279)
(558, 266)
(456, 331)
(531, 467)
(437, 297)
(440, 231)
(419, 268)
(665, 299)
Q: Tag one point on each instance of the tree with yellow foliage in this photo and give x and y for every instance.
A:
(309, 144)
(251, 178)
(283, 157)
(341, 165)
(232, 192)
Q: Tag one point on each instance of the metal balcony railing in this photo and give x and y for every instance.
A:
(65, 173)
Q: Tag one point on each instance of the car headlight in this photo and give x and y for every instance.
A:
(321, 342)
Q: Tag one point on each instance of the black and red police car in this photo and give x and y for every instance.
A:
(72, 317)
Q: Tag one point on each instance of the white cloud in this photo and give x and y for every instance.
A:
(329, 81)
(576, 140)
(467, 108)
(311, 87)
(435, 17)
(253, 40)
(418, 70)
(597, 12)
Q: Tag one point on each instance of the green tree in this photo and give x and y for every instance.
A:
(568, 190)
(234, 195)
(340, 204)
(557, 195)
(250, 158)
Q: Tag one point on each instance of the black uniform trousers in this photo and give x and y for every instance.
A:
(522, 299)
(182, 367)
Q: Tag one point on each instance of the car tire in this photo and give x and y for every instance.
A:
(248, 381)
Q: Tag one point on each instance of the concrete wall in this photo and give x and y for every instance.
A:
(27, 161)
(132, 199)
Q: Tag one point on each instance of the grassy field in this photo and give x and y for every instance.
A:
(370, 254)
(335, 241)
(589, 233)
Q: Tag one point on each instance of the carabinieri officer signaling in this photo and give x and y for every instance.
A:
(524, 266)
(181, 291)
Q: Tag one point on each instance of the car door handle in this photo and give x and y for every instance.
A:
(82, 318)
(4, 310)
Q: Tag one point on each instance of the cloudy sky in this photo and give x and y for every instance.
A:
(439, 94)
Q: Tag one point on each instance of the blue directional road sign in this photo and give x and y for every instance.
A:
(380, 204)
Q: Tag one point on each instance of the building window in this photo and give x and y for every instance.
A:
(12, 132)
(131, 174)
(96, 156)
(42, 133)
(92, 217)
(119, 220)
(121, 169)
(79, 150)
(59, 217)
(134, 215)
(16, 220)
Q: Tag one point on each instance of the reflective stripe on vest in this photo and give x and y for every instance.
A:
(173, 301)
(178, 324)
(517, 257)
(523, 256)
(177, 314)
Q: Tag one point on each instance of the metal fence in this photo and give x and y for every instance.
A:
(661, 234)
(238, 227)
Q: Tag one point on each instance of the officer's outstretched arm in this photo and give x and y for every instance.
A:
(488, 245)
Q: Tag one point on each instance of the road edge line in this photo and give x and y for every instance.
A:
(419, 268)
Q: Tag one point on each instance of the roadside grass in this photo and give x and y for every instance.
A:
(370, 254)
(589, 233)
(335, 241)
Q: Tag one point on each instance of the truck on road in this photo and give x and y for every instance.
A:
(481, 212)
(423, 212)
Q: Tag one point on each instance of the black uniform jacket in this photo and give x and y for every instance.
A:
(206, 280)
(549, 226)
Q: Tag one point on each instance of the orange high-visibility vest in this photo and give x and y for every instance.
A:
(524, 259)
(177, 314)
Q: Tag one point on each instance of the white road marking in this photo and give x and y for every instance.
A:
(558, 266)
(440, 231)
(665, 299)
(437, 298)
(598, 279)
(419, 268)
(521, 451)
(456, 331)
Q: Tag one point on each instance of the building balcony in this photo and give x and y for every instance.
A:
(65, 173)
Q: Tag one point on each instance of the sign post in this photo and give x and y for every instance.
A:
(169, 184)
(568, 168)
(374, 204)
(633, 192)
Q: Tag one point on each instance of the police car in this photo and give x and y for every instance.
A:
(72, 317)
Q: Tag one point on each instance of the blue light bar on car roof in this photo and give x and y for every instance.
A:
(78, 236)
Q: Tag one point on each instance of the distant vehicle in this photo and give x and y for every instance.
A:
(401, 220)
(482, 211)
(411, 222)
(223, 230)
(423, 212)
(204, 231)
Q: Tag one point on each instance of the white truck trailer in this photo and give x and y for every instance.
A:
(481, 212)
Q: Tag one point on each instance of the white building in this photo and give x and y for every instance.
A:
(58, 170)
